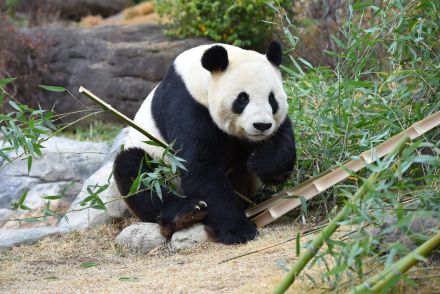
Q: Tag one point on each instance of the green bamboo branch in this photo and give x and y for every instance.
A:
(333, 225)
(120, 116)
(377, 282)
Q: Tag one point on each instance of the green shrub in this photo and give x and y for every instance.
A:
(240, 23)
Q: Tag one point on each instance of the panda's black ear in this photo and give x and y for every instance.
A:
(215, 58)
(275, 53)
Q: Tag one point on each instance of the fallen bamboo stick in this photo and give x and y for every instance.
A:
(270, 210)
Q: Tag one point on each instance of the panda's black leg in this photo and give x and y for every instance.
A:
(127, 166)
(173, 214)
(273, 160)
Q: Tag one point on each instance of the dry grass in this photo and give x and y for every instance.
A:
(54, 265)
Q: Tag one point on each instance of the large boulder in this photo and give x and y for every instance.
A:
(119, 64)
(75, 9)
(65, 165)
(82, 217)
(10, 238)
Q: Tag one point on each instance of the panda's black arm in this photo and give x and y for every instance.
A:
(274, 159)
(206, 180)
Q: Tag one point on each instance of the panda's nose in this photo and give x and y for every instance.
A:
(262, 126)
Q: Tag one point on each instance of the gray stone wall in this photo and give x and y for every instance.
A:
(119, 64)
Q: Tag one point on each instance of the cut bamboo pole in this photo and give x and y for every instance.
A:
(270, 210)
(120, 116)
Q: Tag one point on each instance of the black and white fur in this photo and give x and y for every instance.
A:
(226, 111)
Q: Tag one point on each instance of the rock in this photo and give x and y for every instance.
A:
(189, 237)
(65, 162)
(117, 144)
(141, 237)
(13, 187)
(81, 158)
(89, 217)
(10, 238)
(119, 64)
(50, 221)
(35, 201)
(5, 214)
(75, 9)
(67, 190)
(116, 209)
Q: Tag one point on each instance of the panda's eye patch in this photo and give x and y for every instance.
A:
(273, 103)
(240, 103)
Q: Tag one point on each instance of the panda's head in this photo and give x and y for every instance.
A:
(245, 96)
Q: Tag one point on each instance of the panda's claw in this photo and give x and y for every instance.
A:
(202, 204)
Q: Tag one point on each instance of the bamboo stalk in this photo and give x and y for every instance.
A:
(377, 282)
(333, 225)
(269, 210)
(120, 116)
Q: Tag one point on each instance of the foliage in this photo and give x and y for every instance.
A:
(386, 78)
(164, 171)
(23, 129)
(240, 23)
(11, 6)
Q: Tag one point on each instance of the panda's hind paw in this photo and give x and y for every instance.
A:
(238, 234)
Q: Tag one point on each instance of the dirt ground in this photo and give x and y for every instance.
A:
(56, 265)
(88, 261)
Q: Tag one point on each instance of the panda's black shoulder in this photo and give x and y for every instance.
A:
(178, 115)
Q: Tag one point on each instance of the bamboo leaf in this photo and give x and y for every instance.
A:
(4, 82)
(56, 89)
(54, 197)
(88, 264)
(298, 244)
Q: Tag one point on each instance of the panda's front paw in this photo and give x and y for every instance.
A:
(272, 165)
(268, 169)
(233, 232)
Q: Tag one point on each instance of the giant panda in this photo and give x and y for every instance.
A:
(226, 112)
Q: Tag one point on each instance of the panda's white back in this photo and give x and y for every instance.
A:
(144, 118)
